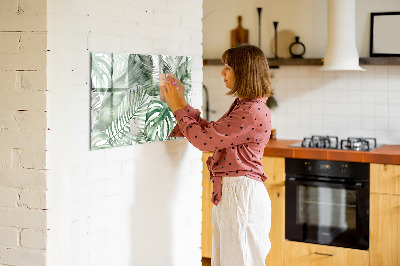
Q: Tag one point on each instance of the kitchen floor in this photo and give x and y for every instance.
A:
(206, 261)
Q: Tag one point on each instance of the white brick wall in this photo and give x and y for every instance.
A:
(33, 239)
(136, 205)
(23, 132)
(9, 237)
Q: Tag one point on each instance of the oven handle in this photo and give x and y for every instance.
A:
(357, 185)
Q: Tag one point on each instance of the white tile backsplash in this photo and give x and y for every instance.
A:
(381, 110)
(394, 97)
(381, 96)
(394, 110)
(345, 103)
(381, 83)
(394, 82)
(381, 71)
(394, 124)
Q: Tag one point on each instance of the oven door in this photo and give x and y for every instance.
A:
(327, 213)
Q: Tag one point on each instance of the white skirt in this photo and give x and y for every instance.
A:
(241, 223)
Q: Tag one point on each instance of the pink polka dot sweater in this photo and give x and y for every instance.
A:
(238, 139)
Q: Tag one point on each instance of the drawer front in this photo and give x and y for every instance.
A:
(297, 254)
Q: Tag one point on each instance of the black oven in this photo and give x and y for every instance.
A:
(327, 202)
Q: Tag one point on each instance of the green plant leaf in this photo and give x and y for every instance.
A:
(134, 106)
(101, 70)
(159, 121)
(105, 107)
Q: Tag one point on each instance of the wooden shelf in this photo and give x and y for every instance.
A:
(294, 62)
(380, 61)
(273, 63)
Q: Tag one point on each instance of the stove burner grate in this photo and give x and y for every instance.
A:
(327, 142)
(358, 144)
(332, 142)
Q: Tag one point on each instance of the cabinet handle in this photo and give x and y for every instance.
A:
(324, 254)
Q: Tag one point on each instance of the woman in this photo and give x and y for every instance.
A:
(242, 208)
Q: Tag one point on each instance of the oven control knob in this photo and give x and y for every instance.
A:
(308, 166)
(343, 168)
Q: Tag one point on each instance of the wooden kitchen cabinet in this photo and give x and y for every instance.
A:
(305, 254)
(277, 233)
(384, 236)
(274, 168)
(385, 215)
(206, 225)
(385, 178)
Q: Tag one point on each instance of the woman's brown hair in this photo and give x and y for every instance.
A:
(250, 66)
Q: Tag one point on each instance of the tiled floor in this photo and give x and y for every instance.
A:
(206, 261)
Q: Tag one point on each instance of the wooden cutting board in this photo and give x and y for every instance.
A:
(239, 35)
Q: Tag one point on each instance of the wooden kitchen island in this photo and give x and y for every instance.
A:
(384, 247)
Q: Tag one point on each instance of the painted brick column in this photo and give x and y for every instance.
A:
(23, 128)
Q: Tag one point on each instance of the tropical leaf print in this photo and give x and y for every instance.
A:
(120, 71)
(134, 107)
(159, 121)
(101, 71)
(104, 108)
(125, 102)
(116, 128)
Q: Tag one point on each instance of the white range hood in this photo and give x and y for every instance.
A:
(341, 51)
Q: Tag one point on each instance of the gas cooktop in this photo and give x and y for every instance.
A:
(332, 142)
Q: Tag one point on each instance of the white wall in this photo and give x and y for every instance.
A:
(136, 205)
(311, 102)
(23, 133)
(306, 19)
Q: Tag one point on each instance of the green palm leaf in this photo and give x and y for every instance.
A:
(105, 107)
(159, 121)
(143, 72)
(101, 65)
(120, 71)
(134, 106)
(99, 139)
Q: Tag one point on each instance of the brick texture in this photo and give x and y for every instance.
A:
(17, 256)
(23, 218)
(9, 237)
(8, 197)
(33, 239)
(23, 125)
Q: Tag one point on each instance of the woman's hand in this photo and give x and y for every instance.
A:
(181, 91)
(174, 92)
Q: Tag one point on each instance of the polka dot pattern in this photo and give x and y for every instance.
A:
(238, 139)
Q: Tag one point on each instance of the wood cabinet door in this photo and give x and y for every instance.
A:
(304, 254)
(384, 236)
(274, 168)
(206, 225)
(277, 233)
(385, 178)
